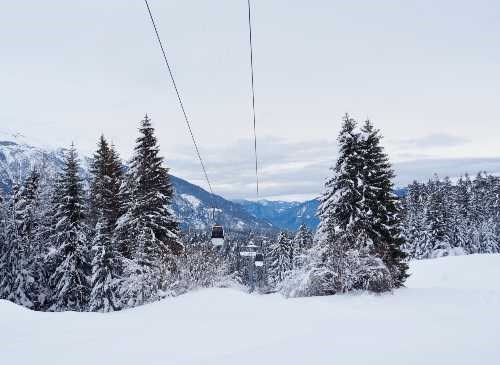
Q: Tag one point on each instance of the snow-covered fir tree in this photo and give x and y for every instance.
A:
(29, 287)
(302, 242)
(107, 260)
(106, 269)
(438, 233)
(7, 246)
(107, 176)
(359, 236)
(382, 206)
(148, 229)
(414, 221)
(279, 258)
(70, 281)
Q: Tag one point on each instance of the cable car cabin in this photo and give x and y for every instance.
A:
(259, 259)
(217, 235)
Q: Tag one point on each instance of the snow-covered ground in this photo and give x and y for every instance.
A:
(449, 314)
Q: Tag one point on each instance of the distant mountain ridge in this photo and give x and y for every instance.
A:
(286, 215)
(192, 204)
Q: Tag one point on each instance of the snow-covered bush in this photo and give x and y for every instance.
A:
(308, 282)
(201, 266)
(353, 270)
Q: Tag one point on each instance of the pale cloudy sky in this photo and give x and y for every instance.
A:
(426, 72)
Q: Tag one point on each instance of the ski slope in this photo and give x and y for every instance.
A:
(449, 314)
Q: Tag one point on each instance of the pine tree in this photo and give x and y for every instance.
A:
(105, 185)
(341, 208)
(414, 221)
(280, 258)
(438, 218)
(342, 211)
(302, 242)
(148, 215)
(143, 275)
(382, 207)
(70, 279)
(462, 230)
(107, 260)
(348, 240)
(7, 246)
(29, 284)
(106, 269)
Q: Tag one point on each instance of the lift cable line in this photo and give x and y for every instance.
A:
(253, 96)
(181, 104)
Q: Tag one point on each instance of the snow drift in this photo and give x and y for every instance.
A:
(447, 315)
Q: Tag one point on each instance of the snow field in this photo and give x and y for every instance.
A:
(447, 315)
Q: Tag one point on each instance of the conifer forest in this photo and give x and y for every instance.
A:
(111, 241)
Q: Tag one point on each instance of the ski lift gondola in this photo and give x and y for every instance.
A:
(259, 259)
(217, 235)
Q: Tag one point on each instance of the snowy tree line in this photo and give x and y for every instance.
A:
(116, 243)
(358, 245)
(442, 218)
(112, 245)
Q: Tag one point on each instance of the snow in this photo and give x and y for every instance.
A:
(447, 315)
(193, 201)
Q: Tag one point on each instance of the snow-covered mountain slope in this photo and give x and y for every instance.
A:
(17, 158)
(192, 204)
(286, 215)
(447, 315)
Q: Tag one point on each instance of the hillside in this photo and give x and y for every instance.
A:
(192, 204)
(447, 315)
(286, 215)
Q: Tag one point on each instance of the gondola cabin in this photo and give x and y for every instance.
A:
(259, 260)
(217, 235)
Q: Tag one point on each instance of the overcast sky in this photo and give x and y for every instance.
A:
(427, 73)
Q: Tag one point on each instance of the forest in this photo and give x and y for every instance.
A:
(113, 242)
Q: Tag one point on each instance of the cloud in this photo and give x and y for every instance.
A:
(435, 140)
(285, 168)
(422, 170)
(291, 169)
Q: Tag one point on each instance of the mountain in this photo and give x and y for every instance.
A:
(17, 158)
(195, 206)
(192, 204)
(291, 215)
(285, 215)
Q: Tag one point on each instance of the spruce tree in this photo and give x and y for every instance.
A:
(342, 211)
(382, 206)
(462, 231)
(341, 208)
(70, 280)
(149, 217)
(302, 242)
(106, 269)
(438, 218)
(7, 247)
(356, 251)
(29, 280)
(107, 261)
(106, 171)
(414, 225)
(279, 257)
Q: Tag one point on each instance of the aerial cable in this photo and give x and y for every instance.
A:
(253, 97)
(181, 104)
